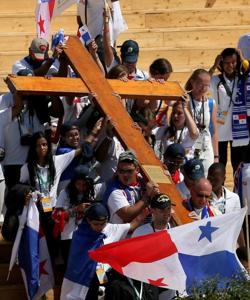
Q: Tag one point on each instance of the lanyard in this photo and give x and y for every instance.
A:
(228, 91)
(44, 185)
(138, 295)
(201, 113)
(180, 136)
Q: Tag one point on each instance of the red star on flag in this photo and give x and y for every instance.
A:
(42, 269)
(41, 25)
(157, 282)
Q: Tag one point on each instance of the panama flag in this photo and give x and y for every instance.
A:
(33, 255)
(181, 257)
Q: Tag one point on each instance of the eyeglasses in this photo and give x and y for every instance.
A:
(126, 171)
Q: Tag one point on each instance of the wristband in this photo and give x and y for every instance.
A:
(216, 156)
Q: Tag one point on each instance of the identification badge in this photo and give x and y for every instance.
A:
(101, 273)
(221, 117)
(47, 204)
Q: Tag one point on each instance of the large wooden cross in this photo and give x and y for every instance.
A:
(92, 80)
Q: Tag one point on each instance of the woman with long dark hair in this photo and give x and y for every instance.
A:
(70, 207)
(42, 171)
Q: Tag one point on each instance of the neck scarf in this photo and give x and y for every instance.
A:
(240, 130)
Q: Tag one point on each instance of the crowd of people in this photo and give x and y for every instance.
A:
(65, 150)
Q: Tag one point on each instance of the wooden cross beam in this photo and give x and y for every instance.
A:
(59, 86)
(92, 80)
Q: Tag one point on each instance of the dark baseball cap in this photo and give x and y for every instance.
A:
(175, 150)
(160, 201)
(81, 172)
(194, 169)
(129, 51)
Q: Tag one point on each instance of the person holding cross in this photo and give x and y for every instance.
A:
(38, 61)
(127, 195)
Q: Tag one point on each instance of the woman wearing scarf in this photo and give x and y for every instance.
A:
(228, 89)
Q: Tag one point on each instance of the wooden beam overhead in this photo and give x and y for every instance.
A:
(74, 86)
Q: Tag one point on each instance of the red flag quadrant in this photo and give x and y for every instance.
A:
(153, 258)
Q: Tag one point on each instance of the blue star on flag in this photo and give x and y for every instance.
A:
(206, 231)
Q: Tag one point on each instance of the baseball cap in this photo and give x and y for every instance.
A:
(81, 172)
(38, 48)
(160, 201)
(128, 156)
(129, 51)
(175, 150)
(194, 169)
(97, 211)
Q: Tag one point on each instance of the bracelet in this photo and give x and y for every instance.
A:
(216, 156)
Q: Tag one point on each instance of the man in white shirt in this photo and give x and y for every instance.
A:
(222, 198)
(123, 196)
(38, 61)
(129, 56)
(192, 170)
(160, 208)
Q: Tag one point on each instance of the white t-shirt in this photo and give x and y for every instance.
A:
(15, 153)
(184, 191)
(61, 162)
(229, 202)
(23, 64)
(115, 232)
(94, 16)
(70, 226)
(182, 136)
(147, 229)
(118, 200)
(63, 201)
(224, 113)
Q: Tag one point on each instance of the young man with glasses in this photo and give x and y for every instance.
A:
(199, 203)
(127, 195)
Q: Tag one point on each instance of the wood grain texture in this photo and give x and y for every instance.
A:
(75, 86)
(130, 137)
